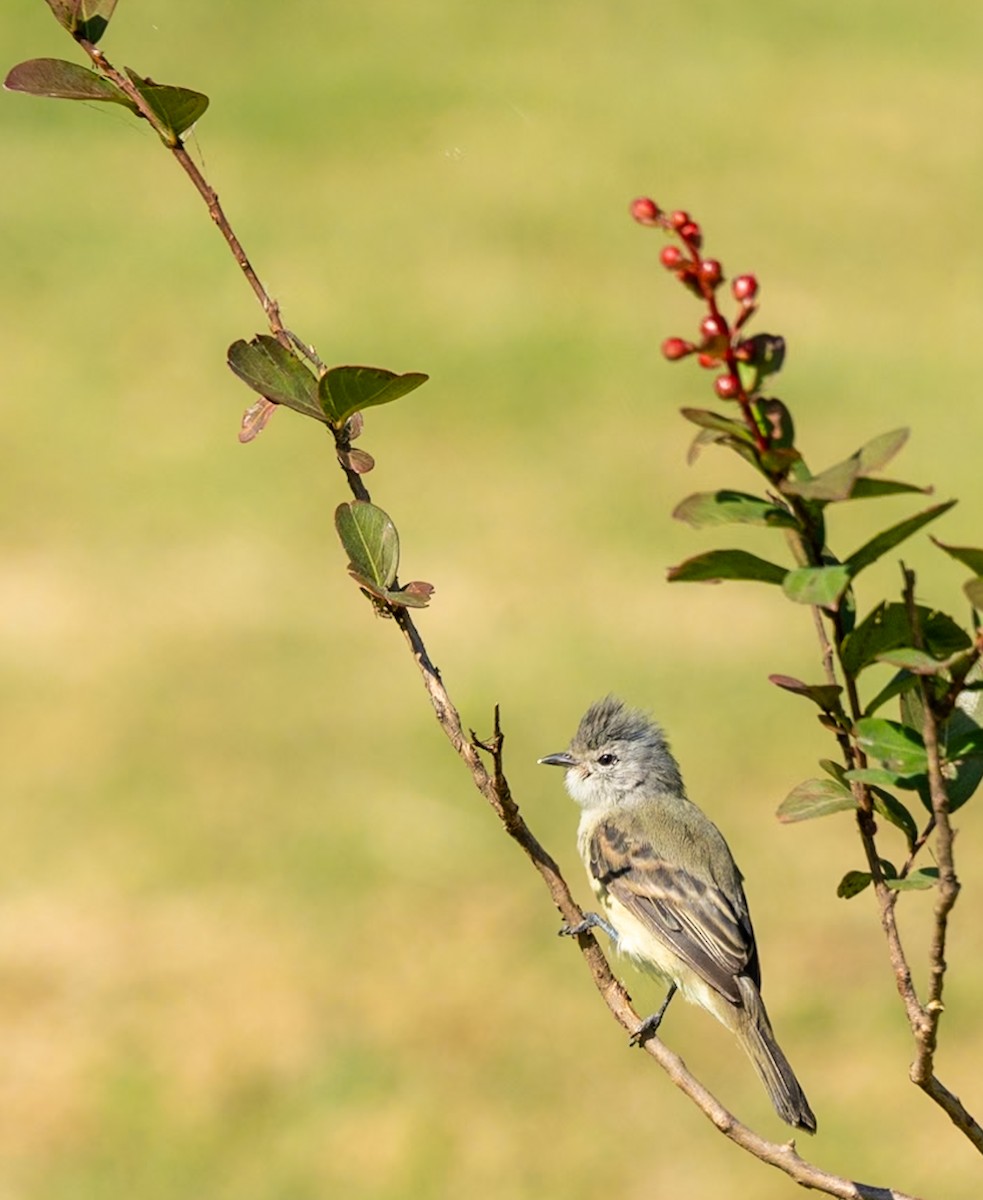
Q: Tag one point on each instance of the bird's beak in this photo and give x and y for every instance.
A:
(564, 759)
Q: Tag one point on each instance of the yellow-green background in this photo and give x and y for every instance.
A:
(258, 936)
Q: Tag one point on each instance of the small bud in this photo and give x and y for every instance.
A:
(645, 211)
(711, 271)
(691, 235)
(713, 327)
(709, 362)
(674, 347)
(679, 218)
(745, 288)
(671, 258)
(727, 387)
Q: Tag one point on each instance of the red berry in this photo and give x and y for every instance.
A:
(713, 327)
(709, 361)
(690, 233)
(727, 387)
(645, 211)
(745, 288)
(674, 347)
(711, 271)
(679, 218)
(671, 258)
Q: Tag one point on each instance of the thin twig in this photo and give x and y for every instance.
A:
(176, 146)
(494, 787)
(926, 1035)
(867, 828)
(854, 759)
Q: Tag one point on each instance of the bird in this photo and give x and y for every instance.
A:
(672, 896)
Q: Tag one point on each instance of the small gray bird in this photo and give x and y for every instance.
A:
(669, 886)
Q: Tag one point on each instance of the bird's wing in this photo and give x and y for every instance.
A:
(692, 917)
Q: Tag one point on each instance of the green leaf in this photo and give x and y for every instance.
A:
(891, 809)
(961, 740)
(887, 804)
(969, 702)
(835, 769)
(881, 777)
(886, 628)
(86, 19)
(898, 746)
(872, 489)
(371, 543)
(743, 449)
(915, 661)
(344, 391)
(706, 437)
(967, 555)
(777, 421)
(923, 877)
(903, 682)
(962, 732)
(912, 707)
(94, 17)
(761, 356)
(729, 507)
(825, 695)
(964, 744)
(943, 636)
(835, 483)
(711, 420)
(276, 373)
(880, 450)
(63, 81)
(66, 12)
(974, 592)
(880, 545)
(176, 108)
(968, 773)
(822, 586)
(852, 884)
(840, 482)
(717, 565)
(815, 798)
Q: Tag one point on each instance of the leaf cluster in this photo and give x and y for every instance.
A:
(885, 765)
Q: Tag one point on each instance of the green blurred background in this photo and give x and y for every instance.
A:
(258, 936)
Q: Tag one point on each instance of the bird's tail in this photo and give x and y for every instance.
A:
(756, 1036)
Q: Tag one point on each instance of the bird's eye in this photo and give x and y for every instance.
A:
(607, 760)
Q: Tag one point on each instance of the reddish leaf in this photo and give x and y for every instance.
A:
(254, 419)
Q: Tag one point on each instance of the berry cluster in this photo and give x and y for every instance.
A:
(720, 347)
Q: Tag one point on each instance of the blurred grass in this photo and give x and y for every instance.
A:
(258, 937)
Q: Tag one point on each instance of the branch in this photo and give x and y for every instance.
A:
(176, 146)
(494, 786)
(922, 1070)
(853, 757)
